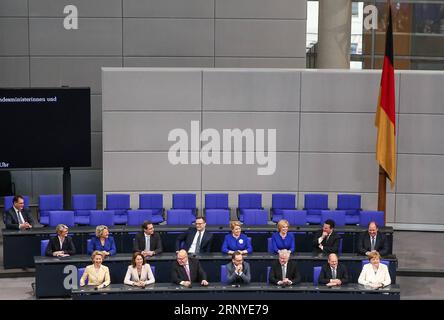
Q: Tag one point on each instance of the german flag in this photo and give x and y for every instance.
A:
(385, 111)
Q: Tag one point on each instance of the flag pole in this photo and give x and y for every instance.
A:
(382, 191)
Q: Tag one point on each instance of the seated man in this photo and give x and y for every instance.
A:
(18, 217)
(148, 242)
(238, 270)
(284, 272)
(326, 241)
(333, 273)
(196, 239)
(373, 241)
(186, 270)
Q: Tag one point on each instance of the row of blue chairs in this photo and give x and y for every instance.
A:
(217, 210)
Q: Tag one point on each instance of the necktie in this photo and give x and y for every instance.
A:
(373, 244)
(284, 271)
(333, 273)
(198, 243)
(187, 270)
(147, 243)
(20, 218)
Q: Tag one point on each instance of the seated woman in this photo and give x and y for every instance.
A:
(375, 274)
(102, 242)
(236, 241)
(282, 239)
(139, 273)
(61, 245)
(96, 274)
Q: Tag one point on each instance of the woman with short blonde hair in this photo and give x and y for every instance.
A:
(96, 273)
(102, 242)
(282, 239)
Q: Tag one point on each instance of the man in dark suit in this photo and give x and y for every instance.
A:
(326, 240)
(333, 273)
(60, 245)
(196, 239)
(372, 240)
(186, 270)
(238, 270)
(148, 242)
(284, 272)
(18, 217)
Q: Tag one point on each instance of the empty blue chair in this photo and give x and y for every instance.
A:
(338, 216)
(249, 201)
(43, 246)
(154, 203)
(61, 217)
(82, 204)
(351, 203)
(180, 217)
(386, 262)
(101, 217)
(314, 204)
(255, 217)
(137, 217)
(50, 202)
(295, 217)
(217, 211)
(316, 273)
(365, 217)
(120, 204)
(80, 272)
(280, 202)
(223, 274)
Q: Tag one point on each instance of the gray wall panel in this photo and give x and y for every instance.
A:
(260, 38)
(418, 134)
(140, 131)
(47, 182)
(168, 37)
(14, 71)
(251, 90)
(260, 62)
(169, 8)
(155, 90)
(419, 208)
(168, 62)
(87, 182)
(14, 8)
(96, 113)
(14, 36)
(23, 183)
(86, 8)
(95, 36)
(72, 71)
(277, 9)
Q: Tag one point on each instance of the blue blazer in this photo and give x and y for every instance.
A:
(277, 243)
(109, 246)
(233, 244)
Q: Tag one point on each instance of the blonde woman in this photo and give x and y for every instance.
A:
(139, 273)
(96, 274)
(102, 242)
(282, 239)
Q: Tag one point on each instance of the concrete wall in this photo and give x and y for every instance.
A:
(35, 50)
(325, 134)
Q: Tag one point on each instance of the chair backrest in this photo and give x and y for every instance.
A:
(150, 201)
(153, 270)
(365, 217)
(283, 201)
(316, 201)
(61, 217)
(269, 246)
(51, 202)
(268, 274)
(184, 201)
(216, 201)
(250, 201)
(9, 199)
(101, 217)
(349, 202)
(137, 217)
(316, 273)
(295, 217)
(84, 202)
(43, 246)
(118, 202)
(217, 216)
(180, 217)
(338, 216)
(255, 217)
(223, 273)
(80, 272)
(340, 246)
(386, 262)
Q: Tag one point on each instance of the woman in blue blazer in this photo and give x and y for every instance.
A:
(236, 241)
(282, 239)
(102, 242)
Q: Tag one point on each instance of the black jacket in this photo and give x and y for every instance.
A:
(292, 272)
(381, 244)
(179, 274)
(330, 246)
(54, 245)
(155, 243)
(11, 219)
(188, 237)
(341, 274)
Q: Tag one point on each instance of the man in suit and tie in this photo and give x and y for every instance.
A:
(373, 241)
(148, 242)
(61, 245)
(238, 270)
(186, 270)
(333, 273)
(18, 218)
(326, 241)
(284, 272)
(196, 239)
